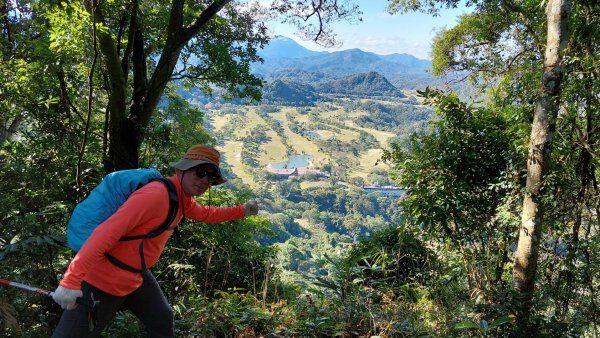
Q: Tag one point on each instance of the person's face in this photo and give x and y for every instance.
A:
(198, 179)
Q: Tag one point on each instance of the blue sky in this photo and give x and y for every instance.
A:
(382, 33)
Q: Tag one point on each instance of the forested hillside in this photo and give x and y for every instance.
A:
(392, 203)
(289, 93)
(365, 84)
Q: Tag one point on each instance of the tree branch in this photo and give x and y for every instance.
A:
(201, 20)
(177, 37)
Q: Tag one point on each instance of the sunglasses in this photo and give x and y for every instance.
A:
(213, 176)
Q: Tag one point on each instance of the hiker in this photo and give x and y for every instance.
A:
(114, 272)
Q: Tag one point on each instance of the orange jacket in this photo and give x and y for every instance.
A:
(144, 211)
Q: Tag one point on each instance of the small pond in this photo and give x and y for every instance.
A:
(311, 135)
(294, 161)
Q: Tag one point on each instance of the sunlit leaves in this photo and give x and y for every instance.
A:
(69, 28)
(449, 170)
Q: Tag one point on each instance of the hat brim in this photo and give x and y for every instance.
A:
(185, 164)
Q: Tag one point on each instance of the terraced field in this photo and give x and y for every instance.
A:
(306, 130)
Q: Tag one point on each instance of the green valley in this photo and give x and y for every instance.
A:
(331, 132)
(367, 195)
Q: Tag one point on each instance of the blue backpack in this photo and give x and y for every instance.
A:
(108, 196)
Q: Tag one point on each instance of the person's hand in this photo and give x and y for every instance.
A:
(251, 208)
(66, 298)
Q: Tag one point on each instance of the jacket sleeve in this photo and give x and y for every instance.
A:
(142, 207)
(211, 214)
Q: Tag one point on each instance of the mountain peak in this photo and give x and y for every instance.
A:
(284, 55)
(283, 47)
(363, 84)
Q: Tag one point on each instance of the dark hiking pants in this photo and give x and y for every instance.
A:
(148, 303)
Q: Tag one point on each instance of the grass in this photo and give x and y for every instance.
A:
(381, 136)
(274, 150)
(312, 184)
(300, 144)
(218, 122)
(231, 153)
(367, 162)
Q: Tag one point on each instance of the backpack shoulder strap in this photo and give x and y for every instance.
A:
(173, 208)
(172, 213)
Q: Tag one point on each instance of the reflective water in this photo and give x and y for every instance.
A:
(294, 161)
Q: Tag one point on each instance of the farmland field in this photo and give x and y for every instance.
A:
(315, 131)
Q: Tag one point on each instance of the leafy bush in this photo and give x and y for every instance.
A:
(232, 313)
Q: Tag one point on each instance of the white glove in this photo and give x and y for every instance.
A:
(250, 208)
(66, 298)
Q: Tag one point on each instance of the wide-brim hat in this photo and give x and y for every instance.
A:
(200, 154)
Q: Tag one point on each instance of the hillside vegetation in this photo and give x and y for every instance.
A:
(494, 232)
(365, 84)
(340, 134)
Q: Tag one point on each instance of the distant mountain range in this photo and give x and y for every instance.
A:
(283, 55)
(299, 76)
(295, 75)
(281, 47)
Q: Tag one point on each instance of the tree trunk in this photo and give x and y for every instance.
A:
(119, 123)
(147, 94)
(540, 143)
(127, 125)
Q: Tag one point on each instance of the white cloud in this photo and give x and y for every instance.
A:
(388, 45)
(383, 33)
(377, 44)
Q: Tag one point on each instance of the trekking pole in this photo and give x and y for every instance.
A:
(91, 304)
(84, 302)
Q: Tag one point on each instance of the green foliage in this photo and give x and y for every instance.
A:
(211, 257)
(378, 288)
(483, 328)
(338, 148)
(428, 6)
(463, 163)
(221, 54)
(68, 30)
(362, 85)
(32, 236)
(401, 256)
(472, 27)
(396, 118)
(478, 45)
(289, 93)
(173, 128)
(124, 325)
(461, 178)
(231, 313)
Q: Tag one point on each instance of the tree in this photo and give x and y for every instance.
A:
(221, 36)
(458, 180)
(540, 145)
(223, 47)
(143, 46)
(504, 46)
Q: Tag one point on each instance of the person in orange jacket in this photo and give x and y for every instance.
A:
(115, 273)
